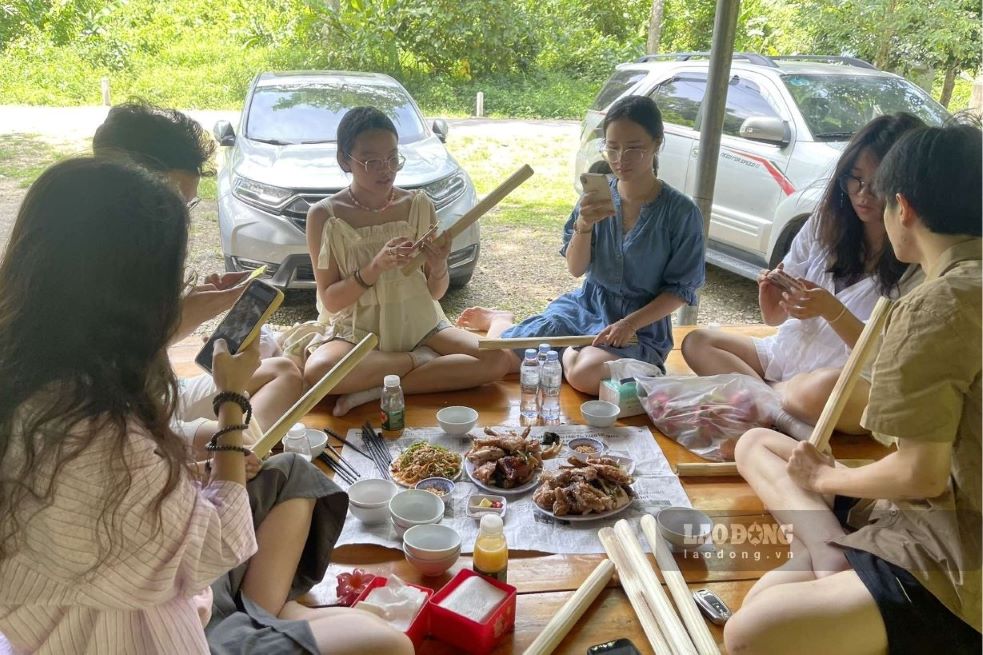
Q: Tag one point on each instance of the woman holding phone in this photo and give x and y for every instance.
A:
(107, 535)
(640, 245)
(821, 293)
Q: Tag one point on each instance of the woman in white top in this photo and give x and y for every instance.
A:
(843, 261)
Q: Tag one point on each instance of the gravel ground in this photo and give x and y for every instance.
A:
(519, 267)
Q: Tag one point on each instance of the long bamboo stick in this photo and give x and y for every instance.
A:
(729, 469)
(573, 609)
(316, 393)
(532, 342)
(655, 595)
(483, 207)
(632, 585)
(862, 350)
(698, 630)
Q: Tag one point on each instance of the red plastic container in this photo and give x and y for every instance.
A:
(417, 631)
(462, 632)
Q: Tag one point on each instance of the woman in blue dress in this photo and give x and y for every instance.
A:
(641, 247)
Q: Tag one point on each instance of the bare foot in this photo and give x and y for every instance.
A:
(480, 318)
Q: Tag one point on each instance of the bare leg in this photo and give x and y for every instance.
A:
(798, 568)
(804, 396)
(369, 372)
(711, 352)
(274, 388)
(834, 614)
(280, 539)
(762, 456)
(453, 341)
(584, 369)
(344, 631)
(482, 319)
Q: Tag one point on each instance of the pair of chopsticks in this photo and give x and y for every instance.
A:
(341, 467)
(378, 448)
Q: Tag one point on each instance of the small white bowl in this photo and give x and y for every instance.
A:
(457, 420)
(432, 568)
(600, 413)
(684, 527)
(369, 500)
(598, 446)
(318, 440)
(431, 542)
(415, 507)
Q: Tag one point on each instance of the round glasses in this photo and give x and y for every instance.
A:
(392, 164)
(852, 185)
(624, 156)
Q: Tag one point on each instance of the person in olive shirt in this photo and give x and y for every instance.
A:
(886, 557)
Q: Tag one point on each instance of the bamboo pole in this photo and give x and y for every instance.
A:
(532, 342)
(862, 350)
(573, 609)
(632, 585)
(698, 630)
(655, 595)
(316, 393)
(471, 216)
(729, 469)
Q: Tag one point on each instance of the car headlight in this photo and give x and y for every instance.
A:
(445, 191)
(263, 196)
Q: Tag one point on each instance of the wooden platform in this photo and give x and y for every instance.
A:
(544, 581)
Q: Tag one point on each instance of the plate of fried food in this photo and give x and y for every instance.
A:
(585, 490)
(507, 462)
(424, 460)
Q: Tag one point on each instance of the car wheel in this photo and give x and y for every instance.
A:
(785, 241)
(461, 276)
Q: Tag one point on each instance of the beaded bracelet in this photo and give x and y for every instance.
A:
(233, 397)
(589, 229)
(231, 428)
(216, 448)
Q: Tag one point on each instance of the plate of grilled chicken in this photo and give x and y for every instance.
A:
(585, 489)
(506, 461)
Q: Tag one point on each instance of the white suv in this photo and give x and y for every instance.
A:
(786, 122)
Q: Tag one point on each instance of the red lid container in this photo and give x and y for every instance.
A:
(460, 631)
(418, 628)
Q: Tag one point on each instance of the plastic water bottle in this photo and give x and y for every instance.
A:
(529, 383)
(392, 404)
(549, 381)
(544, 348)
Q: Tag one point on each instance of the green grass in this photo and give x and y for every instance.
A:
(23, 157)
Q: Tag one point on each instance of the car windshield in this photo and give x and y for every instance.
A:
(617, 84)
(310, 113)
(836, 106)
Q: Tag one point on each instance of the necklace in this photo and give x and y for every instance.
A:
(389, 202)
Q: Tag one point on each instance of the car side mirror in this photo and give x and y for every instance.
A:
(766, 128)
(224, 133)
(440, 128)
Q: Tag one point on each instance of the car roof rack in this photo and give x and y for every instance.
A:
(829, 59)
(750, 57)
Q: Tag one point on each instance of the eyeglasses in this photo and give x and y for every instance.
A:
(625, 156)
(392, 164)
(853, 185)
(193, 203)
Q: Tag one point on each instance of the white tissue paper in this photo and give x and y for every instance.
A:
(620, 388)
(397, 602)
(474, 598)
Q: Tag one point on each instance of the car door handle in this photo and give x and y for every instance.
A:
(695, 152)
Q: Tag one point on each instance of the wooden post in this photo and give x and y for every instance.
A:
(479, 104)
(104, 86)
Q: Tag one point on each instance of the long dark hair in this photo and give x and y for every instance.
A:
(90, 288)
(643, 111)
(839, 230)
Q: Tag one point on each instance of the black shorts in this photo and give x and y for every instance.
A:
(916, 621)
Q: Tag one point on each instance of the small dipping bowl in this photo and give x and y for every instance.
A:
(475, 510)
(369, 500)
(318, 440)
(437, 486)
(415, 507)
(600, 413)
(684, 527)
(586, 446)
(457, 419)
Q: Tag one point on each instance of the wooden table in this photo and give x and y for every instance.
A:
(545, 581)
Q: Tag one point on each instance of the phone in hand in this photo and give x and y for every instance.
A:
(616, 647)
(595, 183)
(419, 242)
(242, 324)
(783, 280)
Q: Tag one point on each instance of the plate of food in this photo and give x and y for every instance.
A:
(589, 490)
(506, 462)
(424, 460)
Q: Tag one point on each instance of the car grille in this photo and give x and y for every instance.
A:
(296, 211)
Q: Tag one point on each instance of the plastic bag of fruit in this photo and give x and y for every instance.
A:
(707, 415)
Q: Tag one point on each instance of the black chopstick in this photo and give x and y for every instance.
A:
(378, 450)
(337, 471)
(347, 443)
(343, 462)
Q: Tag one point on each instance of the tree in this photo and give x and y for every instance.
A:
(655, 26)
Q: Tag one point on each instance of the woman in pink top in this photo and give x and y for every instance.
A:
(106, 536)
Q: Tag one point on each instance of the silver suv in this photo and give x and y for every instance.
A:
(282, 159)
(786, 122)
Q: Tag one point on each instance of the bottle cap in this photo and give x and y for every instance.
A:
(492, 524)
(544, 347)
(530, 353)
(552, 356)
(391, 381)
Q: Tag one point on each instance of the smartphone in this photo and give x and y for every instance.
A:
(595, 183)
(241, 325)
(617, 647)
(419, 242)
(783, 280)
